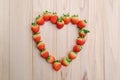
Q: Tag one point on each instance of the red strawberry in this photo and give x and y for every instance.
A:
(46, 15)
(83, 32)
(74, 19)
(54, 18)
(66, 61)
(81, 23)
(35, 28)
(37, 37)
(40, 20)
(66, 18)
(50, 59)
(41, 45)
(77, 48)
(60, 23)
(72, 55)
(44, 53)
(80, 41)
(57, 65)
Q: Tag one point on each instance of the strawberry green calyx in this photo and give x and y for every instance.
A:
(85, 21)
(68, 60)
(79, 38)
(84, 31)
(74, 52)
(50, 59)
(75, 16)
(43, 51)
(39, 43)
(34, 24)
(38, 17)
(47, 12)
(80, 47)
(60, 20)
(66, 15)
(57, 61)
(54, 13)
(36, 34)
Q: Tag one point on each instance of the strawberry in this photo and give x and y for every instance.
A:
(60, 23)
(72, 55)
(57, 65)
(77, 48)
(54, 18)
(50, 59)
(74, 19)
(81, 23)
(36, 37)
(66, 18)
(40, 20)
(83, 32)
(46, 15)
(35, 28)
(44, 54)
(80, 41)
(41, 45)
(66, 61)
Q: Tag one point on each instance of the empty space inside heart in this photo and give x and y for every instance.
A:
(59, 42)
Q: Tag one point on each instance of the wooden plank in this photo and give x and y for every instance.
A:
(62, 40)
(20, 40)
(48, 33)
(112, 38)
(84, 61)
(95, 45)
(76, 68)
(4, 40)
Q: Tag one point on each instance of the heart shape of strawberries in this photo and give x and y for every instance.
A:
(59, 22)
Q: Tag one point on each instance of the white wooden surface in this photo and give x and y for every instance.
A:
(99, 59)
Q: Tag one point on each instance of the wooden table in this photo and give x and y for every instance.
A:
(99, 59)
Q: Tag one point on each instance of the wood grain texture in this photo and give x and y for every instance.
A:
(20, 59)
(4, 40)
(20, 40)
(112, 38)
